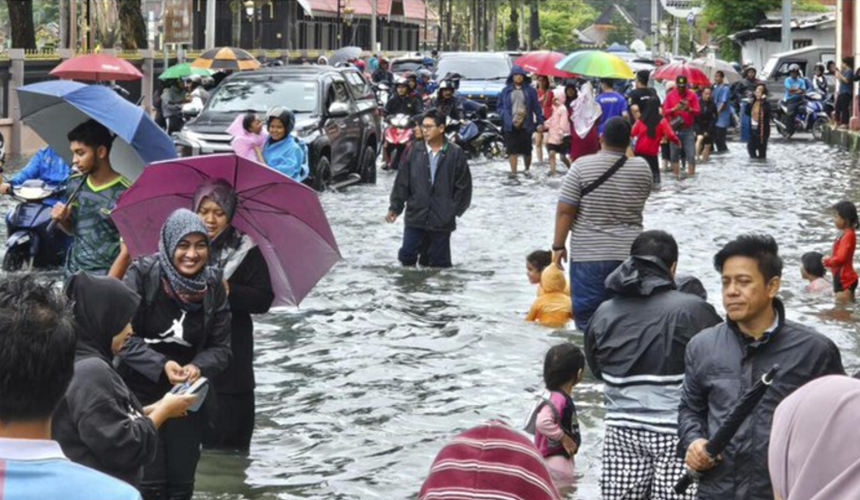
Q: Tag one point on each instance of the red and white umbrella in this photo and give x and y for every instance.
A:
(695, 76)
(542, 62)
(97, 68)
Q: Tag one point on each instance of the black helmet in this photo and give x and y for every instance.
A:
(284, 115)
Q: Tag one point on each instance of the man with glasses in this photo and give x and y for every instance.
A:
(434, 185)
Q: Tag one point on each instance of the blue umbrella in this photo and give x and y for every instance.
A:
(617, 47)
(52, 109)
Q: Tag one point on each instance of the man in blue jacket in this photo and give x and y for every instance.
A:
(521, 116)
(45, 165)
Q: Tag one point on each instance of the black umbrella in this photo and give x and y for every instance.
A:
(730, 425)
(345, 54)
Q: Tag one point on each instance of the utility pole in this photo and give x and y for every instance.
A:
(655, 28)
(209, 43)
(73, 26)
(786, 25)
(91, 33)
(373, 9)
(677, 37)
(338, 29)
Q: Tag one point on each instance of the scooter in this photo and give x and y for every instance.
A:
(398, 134)
(28, 241)
(809, 116)
(477, 136)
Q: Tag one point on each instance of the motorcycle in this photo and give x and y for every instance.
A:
(810, 116)
(28, 241)
(477, 136)
(398, 134)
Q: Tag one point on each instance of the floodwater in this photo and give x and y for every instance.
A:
(360, 387)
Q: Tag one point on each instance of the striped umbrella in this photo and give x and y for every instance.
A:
(226, 58)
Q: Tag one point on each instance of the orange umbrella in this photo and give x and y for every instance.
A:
(226, 58)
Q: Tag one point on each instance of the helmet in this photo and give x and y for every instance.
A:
(428, 61)
(359, 64)
(793, 68)
(446, 84)
(195, 79)
(284, 115)
(399, 80)
(383, 60)
(424, 74)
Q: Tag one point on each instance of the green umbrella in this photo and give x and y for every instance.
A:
(183, 70)
(596, 64)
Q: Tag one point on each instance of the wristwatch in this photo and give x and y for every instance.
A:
(558, 248)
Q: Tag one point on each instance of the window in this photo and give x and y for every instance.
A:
(358, 85)
(257, 94)
(337, 93)
(782, 71)
(799, 44)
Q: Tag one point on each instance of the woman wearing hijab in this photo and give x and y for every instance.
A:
(250, 292)
(649, 131)
(282, 151)
(99, 423)
(813, 453)
(182, 332)
(248, 137)
(584, 115)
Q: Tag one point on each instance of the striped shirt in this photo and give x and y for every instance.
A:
(610, 217)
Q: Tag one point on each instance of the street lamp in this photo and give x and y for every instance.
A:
(251, 12)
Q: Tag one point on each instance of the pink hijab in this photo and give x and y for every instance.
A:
(244, 142)
(815, 441)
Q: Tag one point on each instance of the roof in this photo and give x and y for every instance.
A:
(768, 29)
(597, 33)
(605, 17)
(804, 50)
(412, 11)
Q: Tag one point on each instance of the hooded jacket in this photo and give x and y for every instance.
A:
(432, 205)
(99, 423)
(534, 115)
(635, 343)
(721, 364)
(553, 307)
(142, 362)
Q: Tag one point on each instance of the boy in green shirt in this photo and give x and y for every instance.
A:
(96, 246)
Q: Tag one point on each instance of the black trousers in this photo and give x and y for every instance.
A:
(756, 146)
(720, 139)
(234, 421)
(428, 248)
(171, 475)
(843, 109)
(654, 164)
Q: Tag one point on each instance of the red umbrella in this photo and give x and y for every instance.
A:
(542, 62)
(97, 68)
(695, 76)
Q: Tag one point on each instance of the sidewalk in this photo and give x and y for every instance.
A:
(844, 138)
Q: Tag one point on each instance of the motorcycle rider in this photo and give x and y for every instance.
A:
(382, 75)
(447, 104)
(426, 85)
(402, 103)
(46, 165)
(795, 89)
(172, 99)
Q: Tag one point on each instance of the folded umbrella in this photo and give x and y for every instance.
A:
(284, 217)
(97, 68)
(52, 109)
(596, 64)
(695, 76)
(729, 427)
(542, 62)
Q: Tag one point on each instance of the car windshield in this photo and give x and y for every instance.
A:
(475, 69)
(259, 95)
(404, 66)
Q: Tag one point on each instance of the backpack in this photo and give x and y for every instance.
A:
(531, 421)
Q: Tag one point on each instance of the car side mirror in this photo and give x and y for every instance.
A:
(190, 110)
(338, 109)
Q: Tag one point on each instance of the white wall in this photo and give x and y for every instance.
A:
(759, 51)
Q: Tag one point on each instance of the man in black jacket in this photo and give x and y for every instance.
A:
(435, 185)
(401, 102)
(722, 362)
(635, 343)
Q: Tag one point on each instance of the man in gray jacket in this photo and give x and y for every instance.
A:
(722, 362)
(635, 343)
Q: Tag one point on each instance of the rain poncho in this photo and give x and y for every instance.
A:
(553, 308)
(246, 144)
(289, 155)
(585, 111)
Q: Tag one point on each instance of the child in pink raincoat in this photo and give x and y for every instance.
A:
(559, 131)
(248, 137)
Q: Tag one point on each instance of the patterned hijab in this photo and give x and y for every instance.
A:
(181, 223)
(230, 246)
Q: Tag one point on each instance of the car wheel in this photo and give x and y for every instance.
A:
(368, 166)
(14, 259)
(321, 179)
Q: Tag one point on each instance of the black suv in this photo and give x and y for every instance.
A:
(336, 115)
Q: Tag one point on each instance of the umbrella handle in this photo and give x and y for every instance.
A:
(686, 480)
(53, 224)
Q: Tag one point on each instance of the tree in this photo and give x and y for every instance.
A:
(512, 37)
(731, 16)
(21, 20)
(622, 32)
(132, 25)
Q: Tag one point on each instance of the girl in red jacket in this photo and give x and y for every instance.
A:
(648, 131)
(841, 263)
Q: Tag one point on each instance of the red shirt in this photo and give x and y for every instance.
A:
(841, 264)
(673, 98)
(650, 146)
(546, 105)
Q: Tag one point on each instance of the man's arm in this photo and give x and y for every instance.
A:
(122, 262)
(565, 214)
(693, 410)
(31, 171)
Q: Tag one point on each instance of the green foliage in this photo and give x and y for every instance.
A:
(558, 19)
(731, 16)
(622, 32)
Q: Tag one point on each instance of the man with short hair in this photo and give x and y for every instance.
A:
(611, 103)
(434, 185)
(681, 108)
(795, 88)
(600, 206)
(521, 115)
(724, 361)
(642, 92)
(722, 99)
(37, 356)
(635, 343)
(745, 90)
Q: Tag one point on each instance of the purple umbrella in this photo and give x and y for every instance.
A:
(283, 217)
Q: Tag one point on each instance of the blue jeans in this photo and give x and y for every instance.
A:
(688, 144)
(428, 248)
(745, 123)
(587, 289)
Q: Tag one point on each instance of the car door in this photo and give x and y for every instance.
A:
(336, 125)
(366, 109)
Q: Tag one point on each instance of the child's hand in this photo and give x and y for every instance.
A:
(569, 445)
(824, 259)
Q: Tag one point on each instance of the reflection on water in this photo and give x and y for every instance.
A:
(360, 387)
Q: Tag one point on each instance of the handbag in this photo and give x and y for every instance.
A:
(677, 123)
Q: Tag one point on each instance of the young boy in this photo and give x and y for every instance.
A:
(96, 247)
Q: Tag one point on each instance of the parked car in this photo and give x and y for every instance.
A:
(482, 75)
(403, 65)
(776, 69)
(336, 115)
